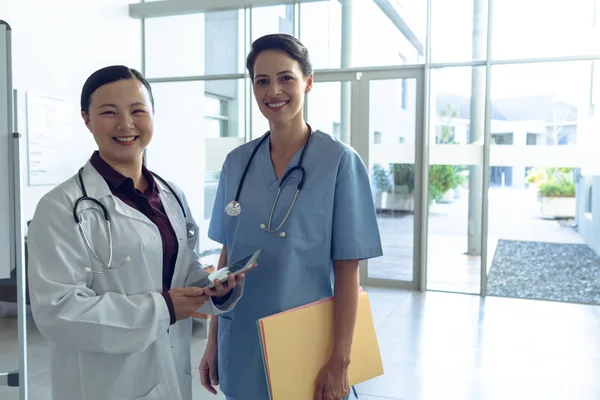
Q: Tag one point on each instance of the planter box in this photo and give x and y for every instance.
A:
(395, 202)
(559, 207)
(449, 196)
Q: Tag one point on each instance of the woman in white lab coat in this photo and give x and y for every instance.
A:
(119, 333)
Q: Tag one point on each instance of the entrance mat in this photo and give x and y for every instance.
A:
(545, 271)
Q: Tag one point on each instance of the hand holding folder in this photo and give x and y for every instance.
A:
(297, 343)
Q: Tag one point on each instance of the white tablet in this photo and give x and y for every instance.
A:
(235, 268)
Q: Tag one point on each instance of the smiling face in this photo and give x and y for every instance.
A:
(279, 86)
(121, 118)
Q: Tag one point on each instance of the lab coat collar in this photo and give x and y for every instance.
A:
(95, 185)
(97, 188)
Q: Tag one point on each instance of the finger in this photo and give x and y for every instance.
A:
(239, 277)
(218, 285)
(192, 291)
(319, 391)
(328, 395)
(198, 301)
(204, 378)
(231, 282)
(214, 378)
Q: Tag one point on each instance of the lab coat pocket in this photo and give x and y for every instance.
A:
(157, 393)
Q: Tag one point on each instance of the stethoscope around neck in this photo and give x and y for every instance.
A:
(190, 227)
(234, 208)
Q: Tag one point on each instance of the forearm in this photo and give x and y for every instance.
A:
(221, 264)
(213, 330)
(214, 321)
(345, 308)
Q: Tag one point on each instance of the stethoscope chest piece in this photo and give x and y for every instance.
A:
(191, 230)
(233, 208)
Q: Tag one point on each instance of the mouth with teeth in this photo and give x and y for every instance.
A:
(277, 106)
(125, 140)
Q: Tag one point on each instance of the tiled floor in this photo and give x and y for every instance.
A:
(435, 346)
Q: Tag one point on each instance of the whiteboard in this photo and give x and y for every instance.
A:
(7, 254)
(49, 139)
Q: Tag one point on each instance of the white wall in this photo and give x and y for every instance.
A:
(56, 46)
(589, 223)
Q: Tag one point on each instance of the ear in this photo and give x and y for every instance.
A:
(309, 83)
(86, 120)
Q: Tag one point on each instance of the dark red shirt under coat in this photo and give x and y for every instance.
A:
(149, 204)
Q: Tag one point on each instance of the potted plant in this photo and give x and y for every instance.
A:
(556, 191)
(394, 187)
(404, 187)
(383, 187)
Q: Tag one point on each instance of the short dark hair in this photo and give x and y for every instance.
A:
(280, 41)
(107, 75)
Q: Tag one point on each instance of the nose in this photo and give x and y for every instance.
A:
(125, 123)
(274, 89)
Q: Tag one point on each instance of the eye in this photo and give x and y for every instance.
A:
(139, 111)
(261, 81)
(287, 78)
(107, 112)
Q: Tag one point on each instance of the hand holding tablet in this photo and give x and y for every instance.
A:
(228, 275)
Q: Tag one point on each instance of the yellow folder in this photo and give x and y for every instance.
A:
(297, 343)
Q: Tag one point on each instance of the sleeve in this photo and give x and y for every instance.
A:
(197, 273)
(66, 310)
(355, 233)
(216, 228)
(169, 301)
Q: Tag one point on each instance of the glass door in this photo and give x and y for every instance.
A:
(455, 205)
(390, 140)
(328, 107)
(381, 115)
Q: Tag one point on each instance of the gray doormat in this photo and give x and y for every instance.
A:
(545, 271)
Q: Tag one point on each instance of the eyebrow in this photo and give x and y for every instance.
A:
(287, 71)
(138, 103)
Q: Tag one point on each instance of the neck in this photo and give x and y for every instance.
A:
(131, 169)
(288, 137)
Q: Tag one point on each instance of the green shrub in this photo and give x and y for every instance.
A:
(441, 179)
(551, 188)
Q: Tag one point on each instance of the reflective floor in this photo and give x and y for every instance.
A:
(434, 346)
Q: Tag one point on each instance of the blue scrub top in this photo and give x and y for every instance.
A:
(333, 218)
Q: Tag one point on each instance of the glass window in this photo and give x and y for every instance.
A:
(274, 19)
(321, 32)
(458, 30)
(177, 151)
(325, 109)
(385, 33)
(194, 132)
(540, 28)
(539, 114)
(178, 45)
(174, 46)
(377, 137)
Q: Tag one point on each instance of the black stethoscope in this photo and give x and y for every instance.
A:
(190, 227)
(234, 208)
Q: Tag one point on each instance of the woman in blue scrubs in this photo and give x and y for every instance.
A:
(312, 239)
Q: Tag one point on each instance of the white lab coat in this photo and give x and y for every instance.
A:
(110, 334)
